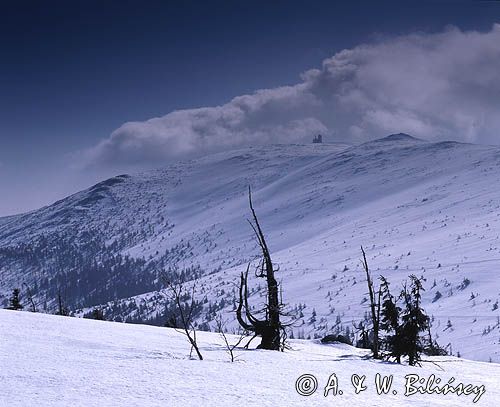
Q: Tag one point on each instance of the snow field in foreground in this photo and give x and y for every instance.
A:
(48, 360)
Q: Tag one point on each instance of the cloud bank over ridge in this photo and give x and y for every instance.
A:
(439, 86)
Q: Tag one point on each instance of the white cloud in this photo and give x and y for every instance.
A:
(436, 86)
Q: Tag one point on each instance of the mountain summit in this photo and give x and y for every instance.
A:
(399, 137)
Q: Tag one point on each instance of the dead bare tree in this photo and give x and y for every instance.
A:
(62, 310)
(374, 307)
(270, 329)
(221, 329)
(30, 298)
(186, 310)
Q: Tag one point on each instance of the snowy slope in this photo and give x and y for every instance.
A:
(57, 361)
(431, 209)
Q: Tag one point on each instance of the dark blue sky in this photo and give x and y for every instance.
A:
(71, 72)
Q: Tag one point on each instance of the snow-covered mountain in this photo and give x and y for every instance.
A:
(430, 209)
(52, 361)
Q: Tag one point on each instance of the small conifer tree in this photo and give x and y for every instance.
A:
(15, 300)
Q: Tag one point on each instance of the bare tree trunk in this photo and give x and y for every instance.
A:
(30, 298)
(62, 310)
(221, 325)
(271, 336)
(186, 316)
(374, 307)
(270, 329)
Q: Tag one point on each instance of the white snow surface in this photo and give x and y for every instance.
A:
(48, 360)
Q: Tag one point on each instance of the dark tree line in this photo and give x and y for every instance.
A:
(84, 269)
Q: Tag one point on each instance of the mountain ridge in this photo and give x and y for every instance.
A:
(106, 246)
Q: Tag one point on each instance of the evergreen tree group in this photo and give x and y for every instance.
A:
(404, 325)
